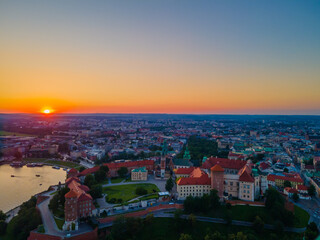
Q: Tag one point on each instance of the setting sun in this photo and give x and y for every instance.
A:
(47, 111)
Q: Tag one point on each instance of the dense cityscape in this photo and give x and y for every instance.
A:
(256, 175)
(159, 120)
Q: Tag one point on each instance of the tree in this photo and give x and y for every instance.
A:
(287, 183)
(215, 236)
(278, 227)
(123, 171)
(141, 191)
(3, 216)
(81, 168)
(90, 180)
(312, 231)
(96, 191)
(3, 227)
(54, 203)
(169, 184)
(228, 217)
(192, 220)
(258, 224)
(149, 219)
(104, 168)
(28, 218)
(272, 198)
(177, 219)
(100, 175)
(185, 236)
(214, 199)
(311, 190)
(241, 236)
(295, 197)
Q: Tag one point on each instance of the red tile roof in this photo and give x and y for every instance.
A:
(73, 170)
(184, 170)
(196, 173)
(217, 168)
(89, 171)
(264, 165)
(272, 177)
(203, 180)
(71, 194)
(246, 177)
(77, 190)
(302, 188)
(42, 236)
(224, 163)
(143, 163)
(113, 165)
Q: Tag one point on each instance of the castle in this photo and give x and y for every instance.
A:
(231, 178)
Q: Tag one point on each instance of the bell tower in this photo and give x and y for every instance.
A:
(163, 158)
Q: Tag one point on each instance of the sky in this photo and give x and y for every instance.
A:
(200, 57)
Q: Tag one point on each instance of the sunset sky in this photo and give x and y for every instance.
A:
(252, 57)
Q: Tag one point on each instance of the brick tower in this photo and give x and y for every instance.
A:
(217, 179)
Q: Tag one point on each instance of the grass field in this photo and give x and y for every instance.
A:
(59, 222)
(34, 160)
(164, 229)
(302, 217)
(5, 133)
(117, 180)
(127, 192)
(248, 213)
(64, 164)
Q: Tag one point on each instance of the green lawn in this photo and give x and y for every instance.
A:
(5, 133)
(301, 217)
(165, 229)
(63, 163)
(248, 213)
(117, 180)
(153, 196)
(34, 160)
(59, 222)
(127, 192)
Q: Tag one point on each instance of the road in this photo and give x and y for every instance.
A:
(47, 218)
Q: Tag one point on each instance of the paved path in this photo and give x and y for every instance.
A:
(47, 218)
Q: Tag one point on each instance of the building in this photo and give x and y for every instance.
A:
(139, 174)
(196, 184)
(78, 203)
(183, 172)
(163, 159)
(179, 163)
(278, 180)
(229, 183)
(115, 166)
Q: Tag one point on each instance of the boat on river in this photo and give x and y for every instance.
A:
(16, 164)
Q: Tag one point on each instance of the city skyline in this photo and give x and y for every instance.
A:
(160, 57)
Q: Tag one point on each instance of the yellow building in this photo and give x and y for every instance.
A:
(139, 174)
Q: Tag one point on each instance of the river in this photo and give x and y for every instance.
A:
(18, 189)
